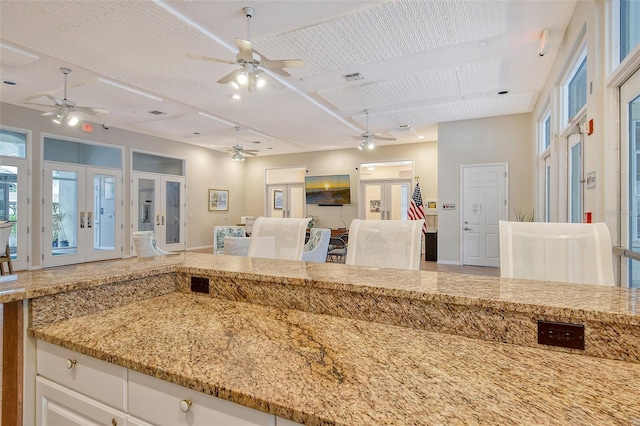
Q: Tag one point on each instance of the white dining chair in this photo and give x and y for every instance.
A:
(278, 238)
(565, 252)
(5, 252)
(315, 250)
(385, 243)
(146, 245)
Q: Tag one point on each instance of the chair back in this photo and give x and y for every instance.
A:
(248, 224)
(236, 246)
(5, 252)
(565, 252)
(145, 244)
(316, 248)
(220, 232)
(278, 238)
(385, 243)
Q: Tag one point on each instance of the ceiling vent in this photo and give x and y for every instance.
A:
(404, 127)
(353, 77)
(156, 112)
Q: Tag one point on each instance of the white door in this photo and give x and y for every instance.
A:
(630, 182)
(14, 207)
(83, 214)
(286, 201)
(483, 206)
(158, 204)
(385, 200)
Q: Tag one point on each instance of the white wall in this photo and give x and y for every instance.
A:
(424, 155)
(505, 139)
(204, 169)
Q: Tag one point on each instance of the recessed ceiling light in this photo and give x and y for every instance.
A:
(257, 142)
(9, 82)
(269, 148)
(420, 137)
(236, 96)
(503, 92)
(196, 133)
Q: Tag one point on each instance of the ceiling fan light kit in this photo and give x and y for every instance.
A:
(252, 68)
(64, 108)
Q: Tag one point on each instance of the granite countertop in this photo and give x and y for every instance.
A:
(611, 303)
(321, 369)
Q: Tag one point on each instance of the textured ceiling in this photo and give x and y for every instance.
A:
(422, 62)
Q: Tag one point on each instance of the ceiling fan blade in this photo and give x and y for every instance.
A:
(209, 58)
(245, 52)
(91, 110)
(50, 113)
(229, 77)
(35, 103)
(244, 152)
(282, 63)
(55, 100)
(382, 138)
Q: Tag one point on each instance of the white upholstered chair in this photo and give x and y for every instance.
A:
(5, 252)
(565, 252)
(219, 234)
(315, 250)
(278, 238)
(146, 245)
(236, 246)
(385, 243)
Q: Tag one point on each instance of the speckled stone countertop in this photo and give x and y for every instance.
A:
(324, 370)
(616, 304)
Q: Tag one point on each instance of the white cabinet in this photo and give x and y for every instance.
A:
(96, 379)
(158, 401)
(75, 389)
(57, 405)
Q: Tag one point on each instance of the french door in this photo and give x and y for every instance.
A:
(82, 214)
(158, 204)
(286, 200)
(385, 199)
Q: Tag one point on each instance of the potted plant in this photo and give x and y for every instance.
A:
(59, 236)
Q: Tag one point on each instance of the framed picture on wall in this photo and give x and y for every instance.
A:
(218, 199)
(277, 200)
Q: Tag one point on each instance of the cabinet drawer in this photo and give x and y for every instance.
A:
(96, 379)
(57, 405)
(159, 402)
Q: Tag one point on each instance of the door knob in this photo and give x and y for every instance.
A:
(466, 228)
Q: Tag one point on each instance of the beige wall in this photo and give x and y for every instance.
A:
(504, 139)
(424, 155)
(205, 169)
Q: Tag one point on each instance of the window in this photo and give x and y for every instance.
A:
(545, 132)
(577, 90)
(13, 144)
(547, 189)
(629, 26)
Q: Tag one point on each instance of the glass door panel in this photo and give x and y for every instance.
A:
(172, 207)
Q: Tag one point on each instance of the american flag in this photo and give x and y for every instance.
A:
(416, 209)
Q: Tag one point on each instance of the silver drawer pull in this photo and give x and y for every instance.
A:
(185, 405)
(71, 363)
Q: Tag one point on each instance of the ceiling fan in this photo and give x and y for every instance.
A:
(237, 152)
(62, 113)
(368, 137)
(251, 69)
